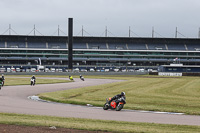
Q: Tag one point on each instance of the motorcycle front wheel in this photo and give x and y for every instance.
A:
(105, 107)
(119, 107)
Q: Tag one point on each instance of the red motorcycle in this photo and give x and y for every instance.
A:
(117, 104)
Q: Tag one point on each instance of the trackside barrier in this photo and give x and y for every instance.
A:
(169, 74)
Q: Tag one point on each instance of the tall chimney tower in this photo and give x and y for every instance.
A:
(70, 43)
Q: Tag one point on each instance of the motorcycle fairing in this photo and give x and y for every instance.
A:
(113, 104)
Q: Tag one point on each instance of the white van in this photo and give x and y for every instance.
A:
(53, 69)
(8, 70)
(17, 69)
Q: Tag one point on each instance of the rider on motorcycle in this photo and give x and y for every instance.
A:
(34, 78)
(81, 77)
(3, 79)
(117, 97)
(70, 77)
(2, 76)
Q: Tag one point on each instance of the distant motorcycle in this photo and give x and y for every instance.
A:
(71, 78)
(2, 83)
(117, 104)
(32, 82)
(82, 78)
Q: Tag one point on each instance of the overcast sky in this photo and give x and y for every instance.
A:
(95, 15)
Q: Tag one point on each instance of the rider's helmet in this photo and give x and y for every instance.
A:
(123, 93)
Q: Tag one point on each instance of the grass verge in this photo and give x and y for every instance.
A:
(169, 94)
(93, 125)
(25, 80)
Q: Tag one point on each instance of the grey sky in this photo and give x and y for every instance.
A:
(95, 15)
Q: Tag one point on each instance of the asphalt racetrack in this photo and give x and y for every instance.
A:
(14, 99)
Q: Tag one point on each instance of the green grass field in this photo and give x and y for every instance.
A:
(94, 125)
(174, 94)
(12, 80)
(170, 94)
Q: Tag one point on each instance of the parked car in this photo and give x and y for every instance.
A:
(28, 70)
(107, 70)
(53, 69)
(131, 70)
(46, 70)
(92, 70)
(33, 69)
(76, 70)
(83, 70)
(13, 69)
(116, 70)
(17, 69)
(123, 70)
(2, 69)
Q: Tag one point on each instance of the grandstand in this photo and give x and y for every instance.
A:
(94, 52)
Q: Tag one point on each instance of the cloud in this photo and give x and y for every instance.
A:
(95, 15)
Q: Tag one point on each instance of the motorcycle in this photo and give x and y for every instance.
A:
(32, 82)
(82, 78)
(71, 78)
(117, 104)
(2, 84)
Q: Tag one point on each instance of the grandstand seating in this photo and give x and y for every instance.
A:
(183, 60)
(138, 59)
(158, 60)
(176, 47)
(98, 59)
(95, 50)
(37, 45)
(134, 46)
(56, 45)
(79, 46)
(156, 46)
(57, 58)
(118, 46)
(79, 58)
(2, 44)
(193, 47)
(118, 59)
(194, 60)
(97, 46)
(15, 58)
(16, 45)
